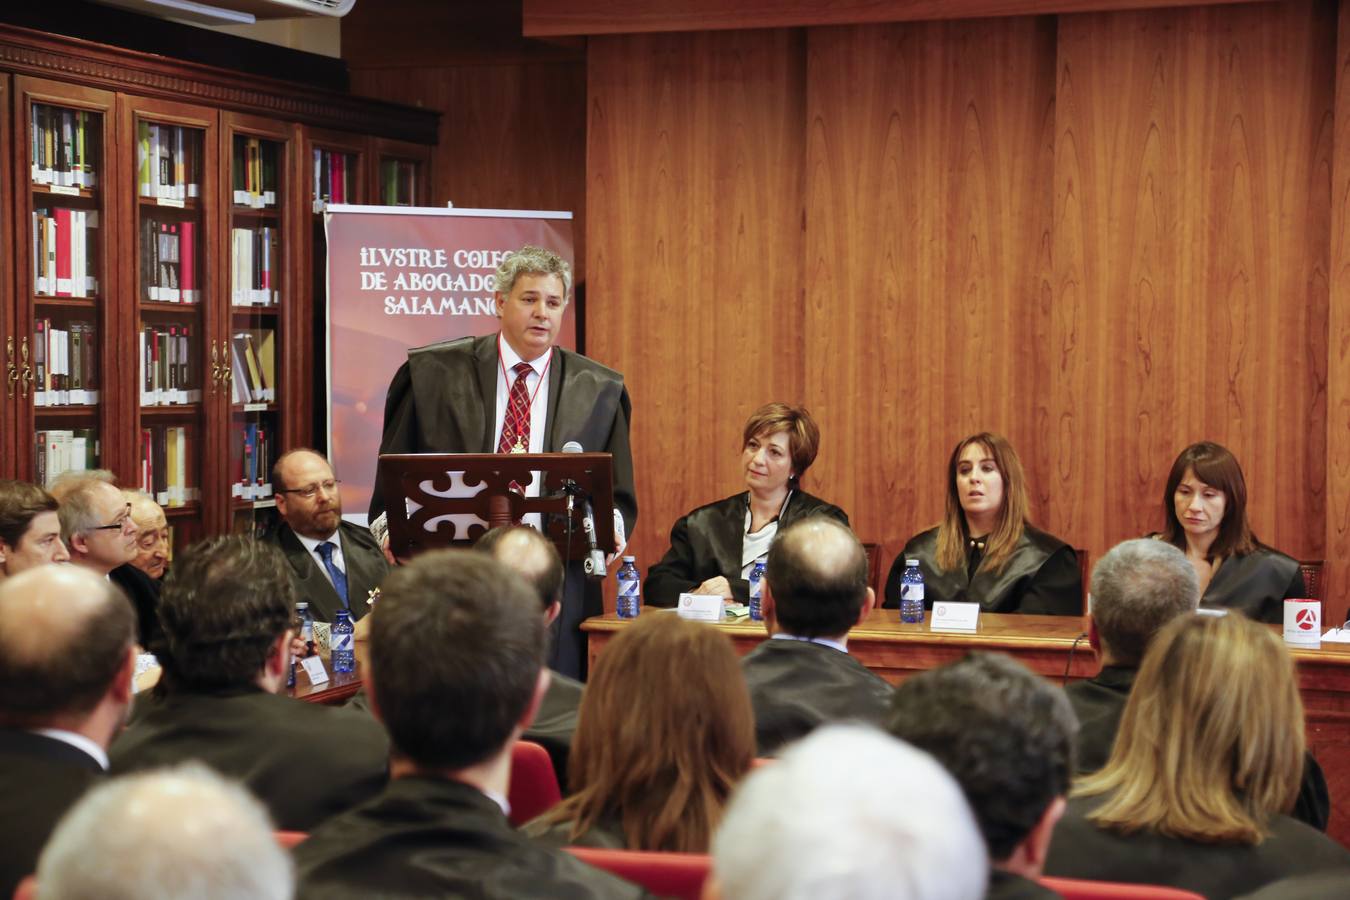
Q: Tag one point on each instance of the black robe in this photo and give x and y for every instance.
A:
(365, 565)
(1257, 584)
(707, 543)
(431, 837)
(1041, 576)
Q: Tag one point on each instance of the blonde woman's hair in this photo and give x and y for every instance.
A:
(1211, 742)
(1012, 516)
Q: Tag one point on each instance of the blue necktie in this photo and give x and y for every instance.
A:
(339, 579)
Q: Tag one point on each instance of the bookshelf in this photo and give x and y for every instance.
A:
(401, 173)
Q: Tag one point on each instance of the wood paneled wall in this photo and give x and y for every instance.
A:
(1105, 235)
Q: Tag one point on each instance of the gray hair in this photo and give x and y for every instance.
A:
(1137, 588)
(76, 496)
(828, 829)
(531, 260)
(180, 832)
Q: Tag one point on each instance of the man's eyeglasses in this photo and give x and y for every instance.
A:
(121, 522)
(309, 492)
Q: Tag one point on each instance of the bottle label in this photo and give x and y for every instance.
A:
(911, 592)
(628, 588)
(342, 641)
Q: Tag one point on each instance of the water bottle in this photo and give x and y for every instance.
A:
(757, 589)
(304, 626)
(911, 593)
(343, 643)
(630, 590)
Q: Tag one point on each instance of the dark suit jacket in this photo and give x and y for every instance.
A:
(430, 837)
(556, 722)
(707, 543)
(144, 594)
(1007, 886)
(305, 761)
(1099, 703)
(366, 568)
(1080, 849)
(796, 686)
(40, 778)
(1319, 886)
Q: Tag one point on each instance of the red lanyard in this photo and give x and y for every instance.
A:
(501, 361)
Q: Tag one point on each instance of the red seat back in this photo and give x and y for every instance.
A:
(1078, 889)
(679, 875)
(26, 889)
(534, 785)
(288, 839)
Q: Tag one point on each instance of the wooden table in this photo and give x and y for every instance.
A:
(1046, 645)
(337, 689)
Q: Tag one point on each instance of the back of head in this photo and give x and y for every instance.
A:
(224, 605)
(1137, 588)
(1003, 732)
(666, 729)
(183, 832)
(65, 634)
(817, 572)
(456, 647)
(20, 502)
(530, 555)
(1211, 740)
(850, 812)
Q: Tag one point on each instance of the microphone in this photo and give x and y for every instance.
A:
(595, 560)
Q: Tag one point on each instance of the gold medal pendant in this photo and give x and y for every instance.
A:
(518, 447)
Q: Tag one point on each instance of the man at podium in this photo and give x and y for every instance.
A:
(514, 391)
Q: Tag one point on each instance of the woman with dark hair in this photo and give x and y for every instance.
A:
(1205, 768)
(986, 550)
(1205, 511)
(655, 757)
(713, 548)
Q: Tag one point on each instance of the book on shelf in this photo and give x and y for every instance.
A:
(334, 176)
(64, 364)
(64, 450)
(164, 464)
(398, 182)
(168, 162)
(255, 266)
(63, 146)
(251, 455)
(253, 362)
(168, 261)
(254, 179)
(63, 252)
(169, 371)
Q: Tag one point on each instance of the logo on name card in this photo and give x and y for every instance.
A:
(941, 610)
(1307, 619)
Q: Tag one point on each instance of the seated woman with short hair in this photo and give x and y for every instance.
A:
(1204, 771)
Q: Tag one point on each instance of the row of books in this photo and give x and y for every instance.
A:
(65, 366)
(169, 261)
(64, 145)
(398, 182)
(164, 464)
(251, 456)
(168, 161)
(64, 252)
(169, 371)
(334, 176)
(255, 172)
(62, 450)
(255, 265)
(253, 359)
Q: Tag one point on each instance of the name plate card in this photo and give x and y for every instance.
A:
(1302, 622)
(313, 666)
(700, 607)
(955, 617)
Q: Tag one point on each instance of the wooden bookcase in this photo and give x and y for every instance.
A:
(182, 255)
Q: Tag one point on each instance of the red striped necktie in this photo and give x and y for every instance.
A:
(516, 425)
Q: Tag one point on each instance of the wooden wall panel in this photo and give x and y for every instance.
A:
(928, 257)
(1192, 217)
(1337, 528)
(694, 175)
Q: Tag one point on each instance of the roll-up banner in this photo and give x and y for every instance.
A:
(401, 277)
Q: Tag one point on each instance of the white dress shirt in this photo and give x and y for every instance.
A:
(312, 546)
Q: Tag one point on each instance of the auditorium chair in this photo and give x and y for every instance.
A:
(1078, 889)
(1312, 578)
(26, 889)
(289, 839)
(873, 552)
(678, 875)
(534, 785)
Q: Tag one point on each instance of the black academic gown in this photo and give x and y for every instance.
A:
(443, 400)
(796, 686)
(1041, 577)
(365, 564)
(143, 591)
(431, 837)
(1080, 849)
(40, 779)
(707, 543)
(1257, 584)
(1099, 702)
(305, 761)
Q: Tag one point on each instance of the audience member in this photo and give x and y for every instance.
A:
(30, 530)
(440, 827)
(849, 812)
(66, 661)
(166, 835)
(666, 732)
(815, 591)
(1203, 771)
(1137, 588)
(1006, 736)
(226, 611)
(533, 557)
(152, 534)
(1317, 886)
(333, 564)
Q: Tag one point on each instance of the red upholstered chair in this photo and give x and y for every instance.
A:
(1077, 889)
(534, 785)
(288, 839)
(679, 875)
(26, 889)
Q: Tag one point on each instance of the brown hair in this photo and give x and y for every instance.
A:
(1012, 516)
(802, 431)
(1217, 467)
(1211, 740)
(20, 504)
(665, 732)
